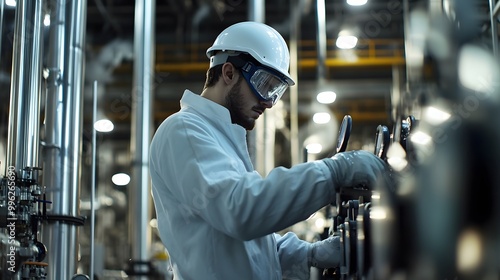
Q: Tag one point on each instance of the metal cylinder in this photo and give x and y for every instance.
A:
(261, 138)
(257, 10)
(24, 120)
(321, 38)
(143, 76)
(62, 153)
(295, 15)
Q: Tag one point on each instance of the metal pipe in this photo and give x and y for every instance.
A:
(257, 10)
(62, 151)
(410, 71)
(93, 184)
(496, 10)
(295, 15)
(24, 120)
(2, 8)
(494, 29)
(321, 39)
(261, 138)
(139, 191)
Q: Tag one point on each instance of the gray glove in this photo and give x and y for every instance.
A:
(325, 253)
(356, 169)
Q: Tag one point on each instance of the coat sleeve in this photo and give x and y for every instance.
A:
(293, 254)
(209, 183)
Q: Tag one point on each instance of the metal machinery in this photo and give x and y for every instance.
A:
(439, 218)
(39, 195)
(22, 199)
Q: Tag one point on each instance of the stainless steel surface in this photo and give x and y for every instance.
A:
(494, 27)
(24, 119)
(257, 140)
(321, 38)
(257, 10)
(142, 93)
(295, 15)
(64, 129)
(2, 7)
(93, 184)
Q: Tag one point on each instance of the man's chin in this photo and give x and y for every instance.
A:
(248, 125)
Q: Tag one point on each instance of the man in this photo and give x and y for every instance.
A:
(216, 215)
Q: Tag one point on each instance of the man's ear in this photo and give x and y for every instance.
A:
(229, 73)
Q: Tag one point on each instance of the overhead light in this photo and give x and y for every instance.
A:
(120, 179)
(314, 148)
(326, 97)
(10, 3)
(104, 125)
(46, 20)
(321, 118)
(357, 2)
(346, 41)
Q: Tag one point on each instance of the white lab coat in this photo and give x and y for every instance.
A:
(216, 215)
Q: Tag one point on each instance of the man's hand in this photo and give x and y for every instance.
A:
(325, 253)
(356, 169)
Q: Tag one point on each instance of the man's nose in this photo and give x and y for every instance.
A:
(266, 103)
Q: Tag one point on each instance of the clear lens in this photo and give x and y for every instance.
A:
(268, 85)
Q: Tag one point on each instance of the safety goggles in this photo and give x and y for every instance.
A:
(266, 84)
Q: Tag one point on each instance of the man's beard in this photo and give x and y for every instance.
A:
(236, 106)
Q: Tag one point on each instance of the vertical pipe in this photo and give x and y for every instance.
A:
(256, 10)
(63, 137)
(261, 139)
(52, 147)
(408, 46)
(24, 119)
(494, 29)
(93, 184)
(295, 15)
(139, 192)
(321, 39)
(396, 104)
(2, 7)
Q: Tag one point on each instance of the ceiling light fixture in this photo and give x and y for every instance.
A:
(357, 2)
(326, 97)
(120, 179)
(321, 118)
(345, 41)
(104, 125)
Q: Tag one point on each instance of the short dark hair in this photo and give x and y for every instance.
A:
(213, 75)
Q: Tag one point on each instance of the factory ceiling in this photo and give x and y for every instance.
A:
(185, 29)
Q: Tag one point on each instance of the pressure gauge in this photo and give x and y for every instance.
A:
(382, 139)
(344, 133)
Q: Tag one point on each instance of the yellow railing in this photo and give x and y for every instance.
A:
(374, 52)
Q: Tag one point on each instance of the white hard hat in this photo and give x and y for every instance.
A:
(260, 41)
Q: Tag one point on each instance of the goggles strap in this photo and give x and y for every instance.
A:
(222, 57)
